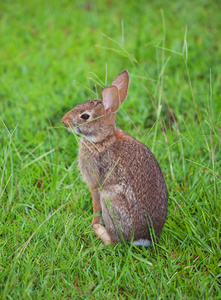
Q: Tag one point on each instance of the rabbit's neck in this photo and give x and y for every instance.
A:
(101, 137)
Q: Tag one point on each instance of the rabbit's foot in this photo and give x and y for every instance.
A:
(101, 232)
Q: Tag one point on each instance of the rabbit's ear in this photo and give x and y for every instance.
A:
(122, 83)
(110, 98)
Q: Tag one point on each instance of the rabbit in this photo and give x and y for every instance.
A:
(127, 186)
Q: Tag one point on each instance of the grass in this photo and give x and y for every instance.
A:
(172, 51)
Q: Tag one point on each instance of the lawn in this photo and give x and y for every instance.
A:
(59, 54)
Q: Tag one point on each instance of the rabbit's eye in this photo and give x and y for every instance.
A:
(85, 116)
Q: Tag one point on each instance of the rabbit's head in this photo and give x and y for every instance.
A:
(95, 119)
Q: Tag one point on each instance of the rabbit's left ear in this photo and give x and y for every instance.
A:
(111, 99)
(122, 83)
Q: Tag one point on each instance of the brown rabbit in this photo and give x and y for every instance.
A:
(124, 177)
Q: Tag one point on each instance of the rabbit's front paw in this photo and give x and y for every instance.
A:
(97, 220)
(101, 232)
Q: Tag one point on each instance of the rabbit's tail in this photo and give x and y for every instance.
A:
(142, 242)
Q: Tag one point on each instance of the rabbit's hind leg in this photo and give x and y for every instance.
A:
(101, 232)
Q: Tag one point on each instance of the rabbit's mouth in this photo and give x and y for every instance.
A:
(74, 130)
(71, 130)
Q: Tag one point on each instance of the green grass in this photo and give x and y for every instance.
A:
(172, 51)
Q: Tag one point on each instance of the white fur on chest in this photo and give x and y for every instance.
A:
(89, 168)
(96, 165)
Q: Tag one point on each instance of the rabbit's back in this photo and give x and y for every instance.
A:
(148, 185)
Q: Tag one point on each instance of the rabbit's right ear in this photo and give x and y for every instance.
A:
(111, 99)
(122, 83)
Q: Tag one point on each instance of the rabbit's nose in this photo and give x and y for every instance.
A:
(65, 121)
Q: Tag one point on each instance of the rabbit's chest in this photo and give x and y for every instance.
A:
(96, 167)
(89, 168)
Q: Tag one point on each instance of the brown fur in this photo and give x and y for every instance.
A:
(119, 168)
